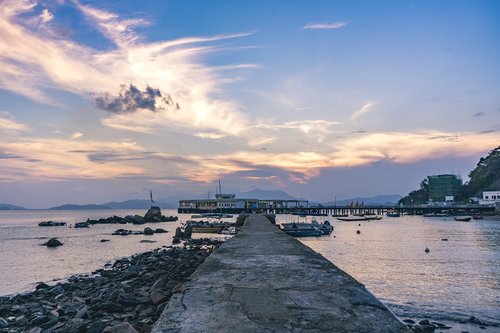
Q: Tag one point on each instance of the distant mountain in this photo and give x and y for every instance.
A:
(138, 204)
(79, 207)
(4, 206)
(265, 194)
(386, 200)
(128, 204)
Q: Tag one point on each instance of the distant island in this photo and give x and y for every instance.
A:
(10, 207)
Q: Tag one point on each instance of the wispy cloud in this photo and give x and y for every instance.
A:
(325, 26)
(76, 135)
(7, 123)
(35, 63)
(367, 107)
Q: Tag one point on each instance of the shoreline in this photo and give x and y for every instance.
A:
(129, 294)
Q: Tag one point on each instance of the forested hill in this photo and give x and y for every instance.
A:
(484, 177)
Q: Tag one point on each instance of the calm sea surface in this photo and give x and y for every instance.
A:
(457, 279)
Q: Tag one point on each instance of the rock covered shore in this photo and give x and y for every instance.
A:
(127, 296)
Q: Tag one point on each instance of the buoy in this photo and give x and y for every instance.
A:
(359, 224)
(427, 250)
(358, 232)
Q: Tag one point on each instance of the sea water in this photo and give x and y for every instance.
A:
(456, 279)
(24, 262)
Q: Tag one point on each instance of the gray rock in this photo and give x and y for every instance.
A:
(21, 320)
(120, 328)
(73, 326)
(38, 320)
(96, 327)
(148, 231)
(129, 299)
(53, 242)
(153, 212)
(146, 312)
(157, 297)
(57, 290)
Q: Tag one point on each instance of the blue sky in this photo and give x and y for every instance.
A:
(102, 100)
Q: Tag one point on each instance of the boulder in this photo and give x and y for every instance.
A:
(153, 212)
(53, 242)
(137, 219)
(148, 231)
(120, 328)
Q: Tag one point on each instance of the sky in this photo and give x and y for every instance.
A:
(105, 100)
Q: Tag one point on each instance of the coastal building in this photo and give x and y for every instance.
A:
(490, 198)
(443, 188)
(228, 203)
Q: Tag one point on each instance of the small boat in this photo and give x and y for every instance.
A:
(229, 231)
(302, 231)
(393, 214)
(477, 217)
(463, 218)
(325, 227)
(205, 227)
(51, 224)
(359, 218)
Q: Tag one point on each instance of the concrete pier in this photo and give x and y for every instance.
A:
(263, 280)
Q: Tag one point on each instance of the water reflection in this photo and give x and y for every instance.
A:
(458, 277)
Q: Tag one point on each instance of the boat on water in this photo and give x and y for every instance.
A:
(392, 214)
(206, 227)
(325, 227)
(229, 231)
(359, 218)
(463, 218)
(51, 224)
(301, 230)
(477, 217)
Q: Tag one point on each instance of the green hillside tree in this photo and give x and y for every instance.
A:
(486, 174)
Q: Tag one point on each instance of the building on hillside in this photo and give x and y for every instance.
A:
(228, 203)
(443, 188)
(490, 198)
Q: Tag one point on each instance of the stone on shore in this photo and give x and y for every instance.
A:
(134, 290)
(152, 213)
(53, 242)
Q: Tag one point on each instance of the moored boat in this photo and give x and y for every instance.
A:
(463, 218)
(392, 214)
(301, 230)
(325, 227)
(359, 218)
(206, 227)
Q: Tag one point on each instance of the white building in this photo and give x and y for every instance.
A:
(490, 198)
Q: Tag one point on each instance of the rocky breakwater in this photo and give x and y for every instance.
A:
(127, 296)
(152, 215)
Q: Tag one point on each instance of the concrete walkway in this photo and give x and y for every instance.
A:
(263, 280)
